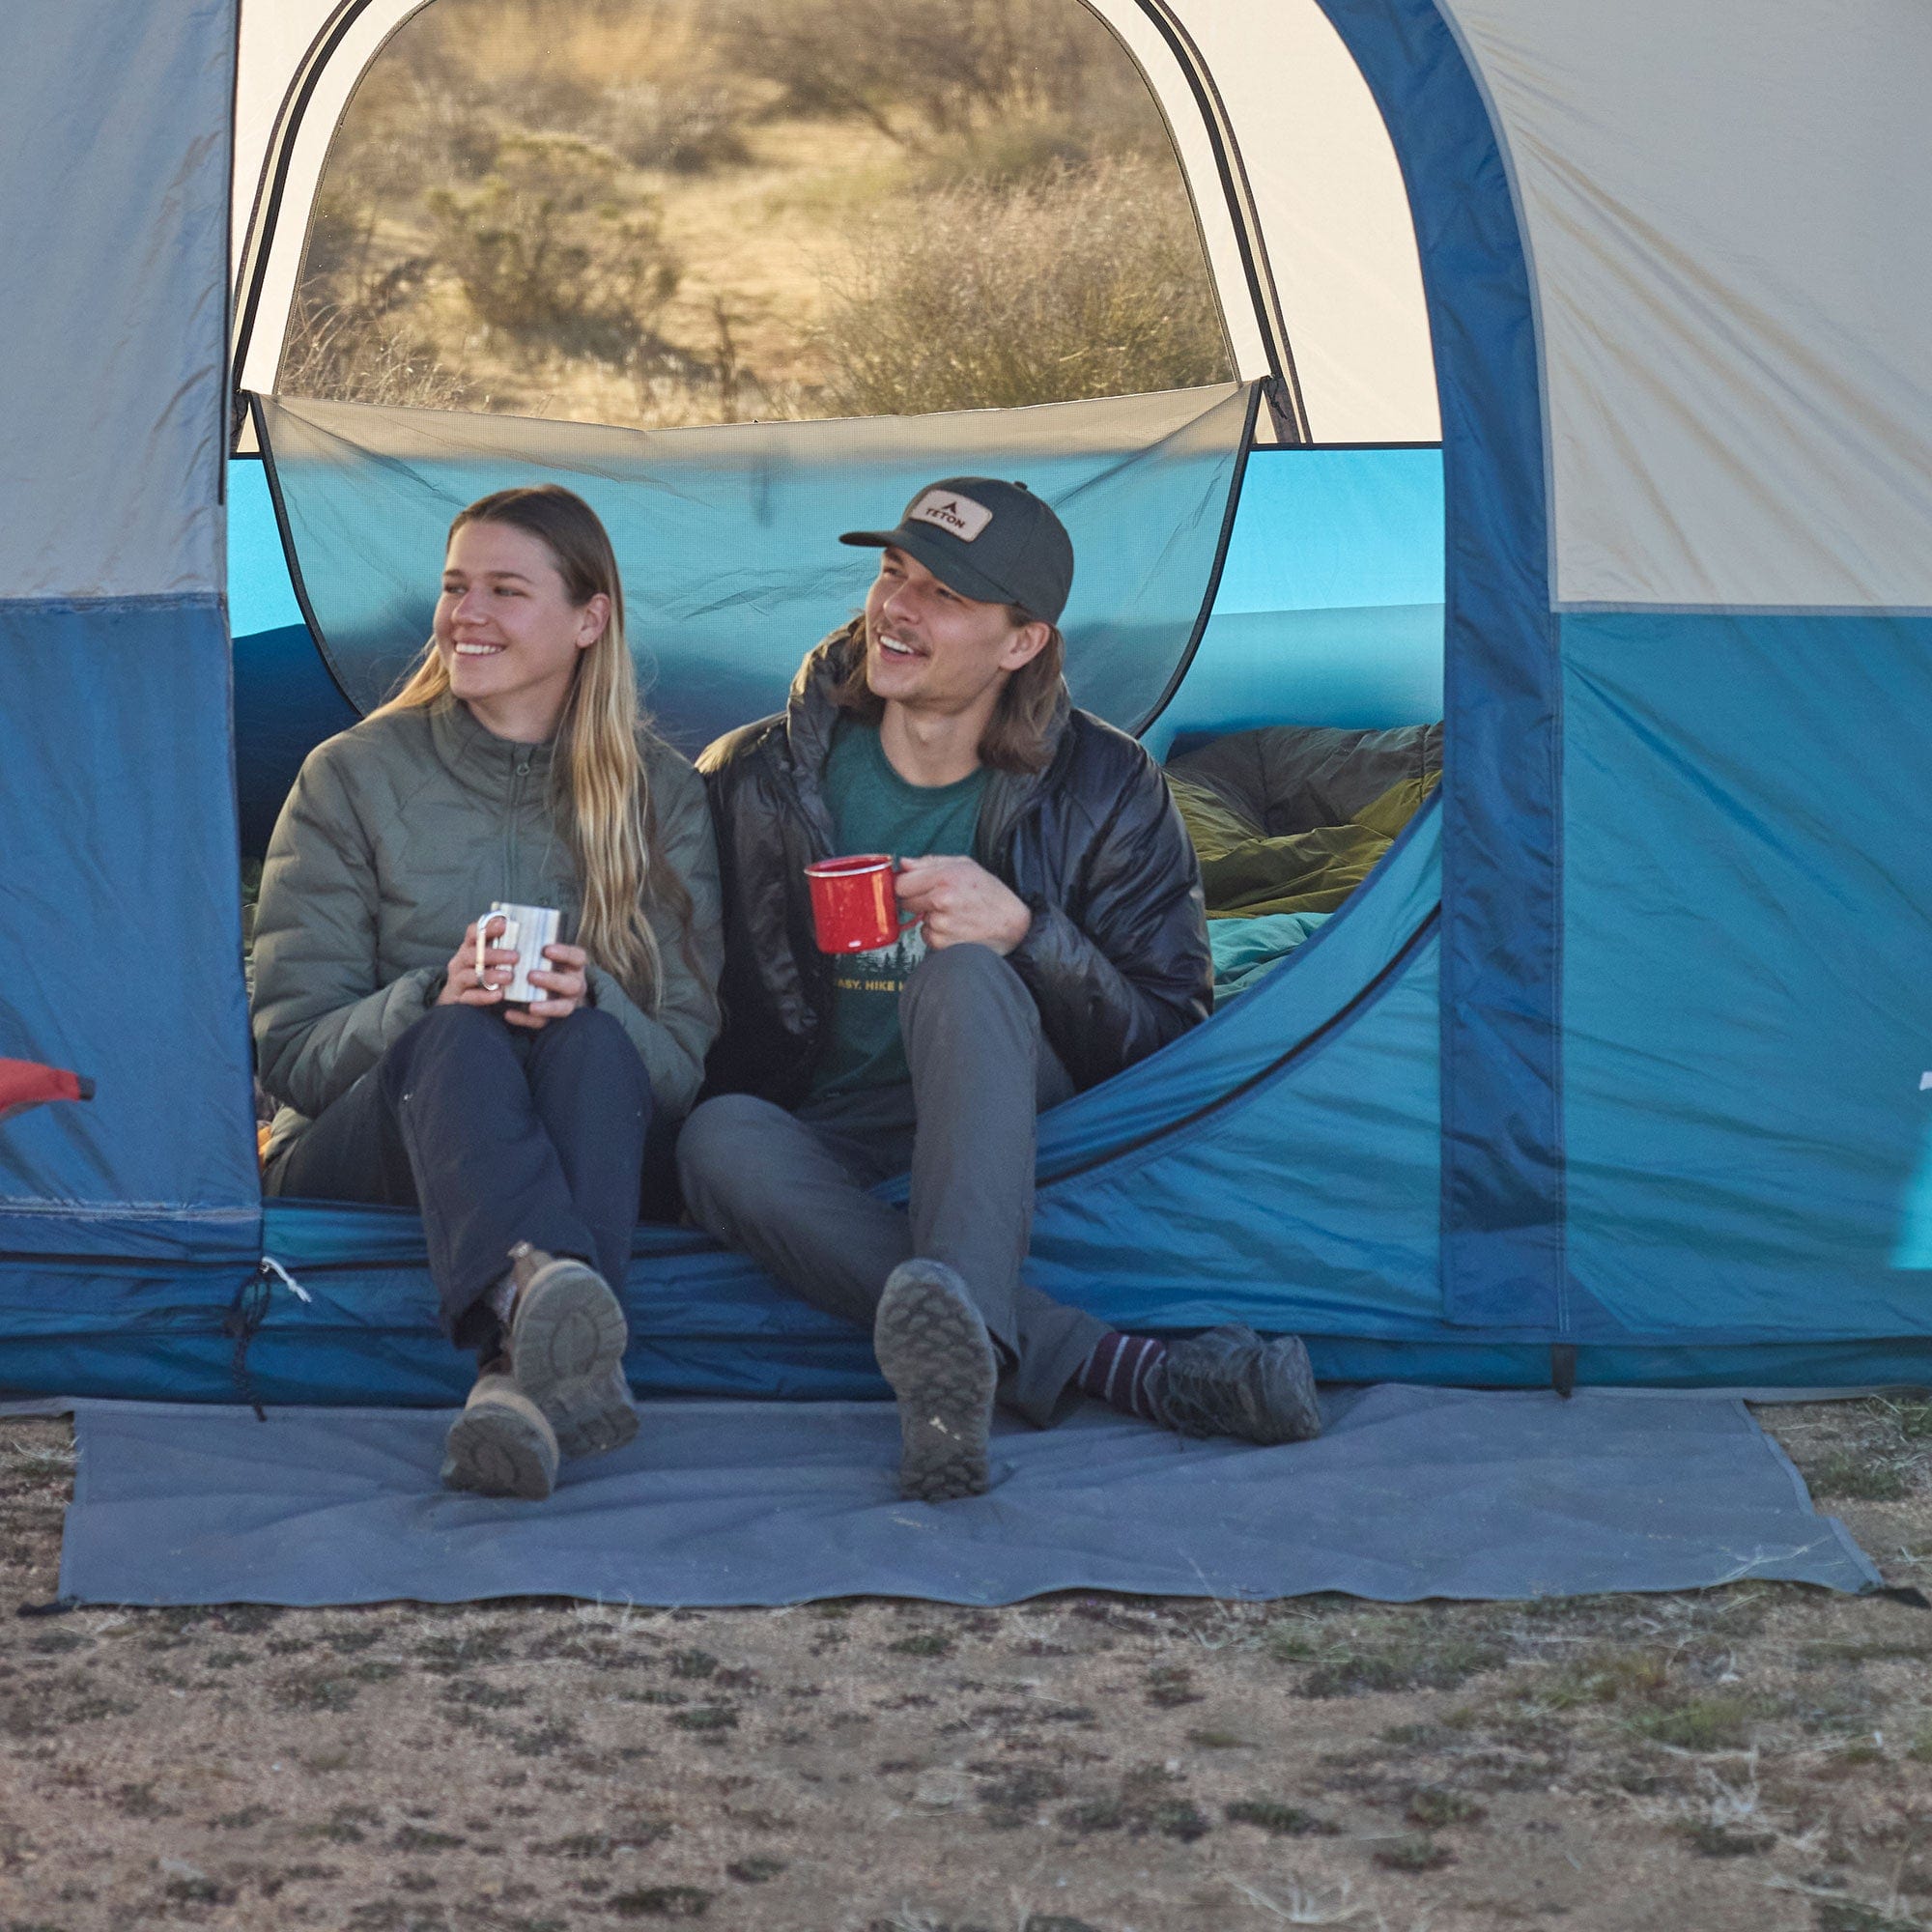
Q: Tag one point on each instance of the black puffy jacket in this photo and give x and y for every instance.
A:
(1117, 958)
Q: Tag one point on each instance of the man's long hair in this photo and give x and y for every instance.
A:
(601, 788)
(1016, 736)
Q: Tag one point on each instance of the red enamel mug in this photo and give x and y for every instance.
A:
(854, 906)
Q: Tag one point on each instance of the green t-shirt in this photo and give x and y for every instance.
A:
(873, 809)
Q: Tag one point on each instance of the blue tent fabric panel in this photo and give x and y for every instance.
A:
(1319, 982)
(1915, 1240)
(728, 537)
(369, 1335)
(1748, 968)
(261, 597)
(122, 908)
(1324, 530)
(1329, 608)
(1476, 1362)
(119, 899)
(286, 704)
(115, 131)
(1306, 1204)
(167, 1332)
(1503, 1193)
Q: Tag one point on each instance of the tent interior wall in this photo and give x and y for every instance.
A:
(1580, 1077)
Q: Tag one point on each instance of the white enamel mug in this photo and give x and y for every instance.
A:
(526, 931)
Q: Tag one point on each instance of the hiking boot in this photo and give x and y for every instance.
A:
(934, 1349)
(501, 1445)
(566, 1338)
(1230, 1382)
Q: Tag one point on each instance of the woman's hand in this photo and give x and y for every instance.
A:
(462, 985)
(567, 982)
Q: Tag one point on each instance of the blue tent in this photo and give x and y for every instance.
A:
(1613, 1069)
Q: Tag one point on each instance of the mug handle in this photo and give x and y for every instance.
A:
(506, 938)
(907, 920)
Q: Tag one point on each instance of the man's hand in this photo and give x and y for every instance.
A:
(963, 903)
(567, 982)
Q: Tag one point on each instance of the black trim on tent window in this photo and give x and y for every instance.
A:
(289, 557)
(1242, 450)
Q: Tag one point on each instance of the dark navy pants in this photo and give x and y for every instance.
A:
(498, 1135)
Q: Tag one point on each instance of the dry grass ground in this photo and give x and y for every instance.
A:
(1758, 1757)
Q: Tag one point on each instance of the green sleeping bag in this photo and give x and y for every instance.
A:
(1292, 819)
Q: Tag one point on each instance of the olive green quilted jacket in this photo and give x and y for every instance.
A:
(396, 836)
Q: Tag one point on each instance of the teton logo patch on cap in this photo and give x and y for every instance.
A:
(950, 511)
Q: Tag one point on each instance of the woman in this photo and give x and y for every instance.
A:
(514, 765)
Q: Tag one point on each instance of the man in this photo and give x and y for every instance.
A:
(1060, 937)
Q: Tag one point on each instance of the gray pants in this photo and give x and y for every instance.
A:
(791, 1190)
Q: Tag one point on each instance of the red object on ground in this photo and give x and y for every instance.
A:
(26, 1083)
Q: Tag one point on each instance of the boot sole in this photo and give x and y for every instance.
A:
(933, 1350)
(567, 1328)
(568, 1338)
(493, 1451)
(591, 1416)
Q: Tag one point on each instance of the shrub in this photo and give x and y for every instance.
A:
(351, 351)
(916, 71)
(1021, 150)
(544, 255)
(685, 129)
(1089, 283)
(640, 75)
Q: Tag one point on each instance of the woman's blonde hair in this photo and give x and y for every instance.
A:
(601, 787)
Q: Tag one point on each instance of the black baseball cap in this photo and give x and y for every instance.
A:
(992, 541)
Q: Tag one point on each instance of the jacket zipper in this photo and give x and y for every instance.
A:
(519, 772)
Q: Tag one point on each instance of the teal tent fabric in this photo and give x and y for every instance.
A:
(1329, 610)
(1748, 971)
(727, 538)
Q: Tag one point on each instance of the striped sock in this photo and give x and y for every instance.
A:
(1128, 1372)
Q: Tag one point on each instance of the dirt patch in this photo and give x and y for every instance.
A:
(1757, 1757)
